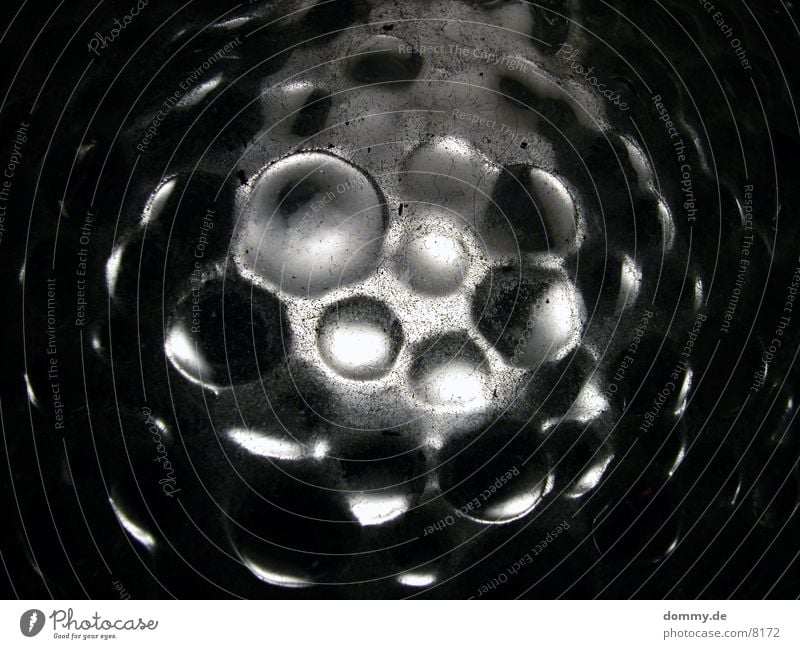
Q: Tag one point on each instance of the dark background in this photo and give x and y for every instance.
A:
(732, 505)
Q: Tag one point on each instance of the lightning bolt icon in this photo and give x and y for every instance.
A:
(32, 620)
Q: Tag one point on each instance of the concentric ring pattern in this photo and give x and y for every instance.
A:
(443, 299)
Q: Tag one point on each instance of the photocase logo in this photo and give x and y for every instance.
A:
(31, 622)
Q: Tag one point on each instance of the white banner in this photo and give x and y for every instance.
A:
(400, 625)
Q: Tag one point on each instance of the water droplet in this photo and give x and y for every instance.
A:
(532, 211)
(313, 222)
(433, 263)
(360, 338)
(451, 371)
(300, 537)
(382, 59)
(452, 178)
(529, 321)
(262, 444)
(381, 489)
(377, 508)
(495, 475)
(218, 339)
(136, 530)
